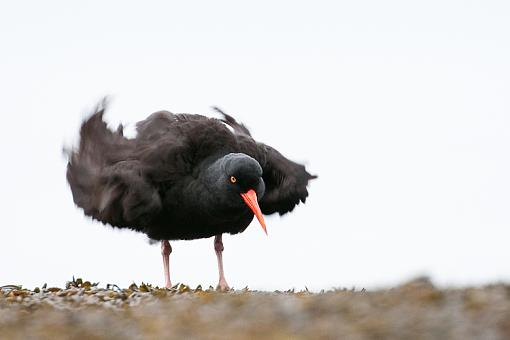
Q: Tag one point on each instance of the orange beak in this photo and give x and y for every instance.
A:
(250, 198)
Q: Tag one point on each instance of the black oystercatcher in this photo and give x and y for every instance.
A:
(183, 177)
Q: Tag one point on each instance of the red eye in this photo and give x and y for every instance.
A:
(233, 179)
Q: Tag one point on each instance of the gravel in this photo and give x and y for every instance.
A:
(414, 310)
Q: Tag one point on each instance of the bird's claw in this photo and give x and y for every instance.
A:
(222, 286)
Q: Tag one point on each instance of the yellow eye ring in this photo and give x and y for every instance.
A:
(233, 179)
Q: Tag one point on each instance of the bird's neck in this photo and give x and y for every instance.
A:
(212, 178)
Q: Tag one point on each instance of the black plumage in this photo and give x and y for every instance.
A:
(174, 180)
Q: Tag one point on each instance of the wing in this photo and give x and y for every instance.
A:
(106, 178)
(286, 181)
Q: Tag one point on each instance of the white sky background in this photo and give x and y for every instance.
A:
(402, 109)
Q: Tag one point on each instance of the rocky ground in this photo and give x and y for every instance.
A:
(415, 310)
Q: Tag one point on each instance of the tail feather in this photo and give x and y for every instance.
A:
(105, 177)
(239, 128)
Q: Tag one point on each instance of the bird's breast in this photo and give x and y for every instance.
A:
(190, 225)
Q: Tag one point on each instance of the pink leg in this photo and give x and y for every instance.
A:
(218, 247)
(165, 251)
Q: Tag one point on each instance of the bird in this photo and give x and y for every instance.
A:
(182, 177)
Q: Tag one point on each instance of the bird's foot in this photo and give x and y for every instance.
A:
(222, 286)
